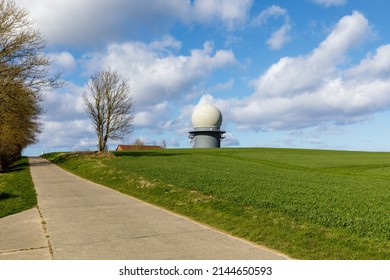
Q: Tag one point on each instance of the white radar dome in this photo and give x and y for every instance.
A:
(206, 115)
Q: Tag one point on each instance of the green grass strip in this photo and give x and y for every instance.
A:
(17, 191)
(308, 204)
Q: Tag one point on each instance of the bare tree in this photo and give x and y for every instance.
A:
(110, 106)
(163, 144)
(138, 142)
(22, 56)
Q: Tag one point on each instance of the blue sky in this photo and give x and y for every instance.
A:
(302, 74)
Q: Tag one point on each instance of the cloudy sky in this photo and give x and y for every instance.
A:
(302, 74)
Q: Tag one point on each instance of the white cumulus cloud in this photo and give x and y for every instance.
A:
(375, 66)
(231, 12)
(91, 22)
(63, 61)
(294, 75)
(317, 88)
(155, 74)
(160, 78)
(281, 35)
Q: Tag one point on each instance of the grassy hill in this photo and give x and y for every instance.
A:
(308, 204)
(16, 189)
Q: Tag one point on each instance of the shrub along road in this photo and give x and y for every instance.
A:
(84, 220)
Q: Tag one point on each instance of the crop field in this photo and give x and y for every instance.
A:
(308, 204)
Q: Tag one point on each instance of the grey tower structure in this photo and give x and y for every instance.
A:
(207, 133)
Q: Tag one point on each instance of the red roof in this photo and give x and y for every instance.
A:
(136, 147)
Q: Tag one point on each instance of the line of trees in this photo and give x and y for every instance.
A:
(24, 75)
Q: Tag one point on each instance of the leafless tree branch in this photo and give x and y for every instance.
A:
(110, 106)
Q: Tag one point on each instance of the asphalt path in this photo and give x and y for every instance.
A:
(79, 220)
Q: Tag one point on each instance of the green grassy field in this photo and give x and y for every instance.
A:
(16, 189)
(308, 204)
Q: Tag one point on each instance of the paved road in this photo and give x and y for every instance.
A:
(22, 237)
(83, 220)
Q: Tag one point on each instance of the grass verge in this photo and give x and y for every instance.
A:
(17, 191)
(308, 204)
